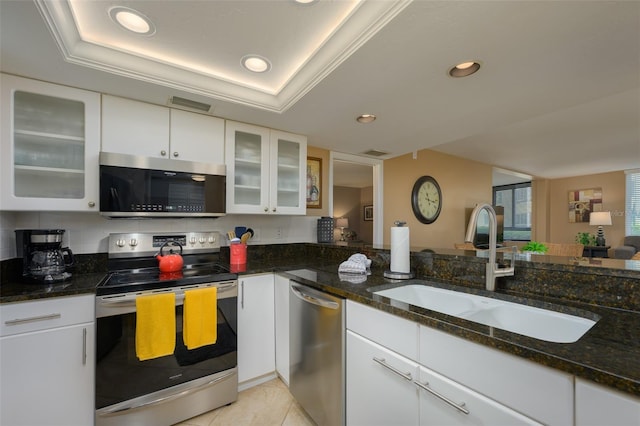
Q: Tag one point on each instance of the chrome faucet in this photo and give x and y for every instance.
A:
(493, 271)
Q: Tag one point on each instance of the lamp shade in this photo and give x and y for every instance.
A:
(342, 222)
(600, 218)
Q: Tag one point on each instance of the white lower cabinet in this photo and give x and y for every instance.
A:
(401, 373)
(47, 362)
(256, 337)
(282, 327)
(539, 392)
(445, 402)
(597, 406)
(380, 389)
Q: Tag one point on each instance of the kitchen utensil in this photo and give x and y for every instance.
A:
(249, 230)
(240, 230)
(231, 235)
(171, 262)
(245, 237)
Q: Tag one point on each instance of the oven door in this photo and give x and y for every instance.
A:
(124, 383)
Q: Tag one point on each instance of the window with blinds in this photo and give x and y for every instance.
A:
(632, 203)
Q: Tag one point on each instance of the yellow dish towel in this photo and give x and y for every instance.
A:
(155, 325)
(199, 327)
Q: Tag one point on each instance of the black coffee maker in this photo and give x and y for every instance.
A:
(44, 259)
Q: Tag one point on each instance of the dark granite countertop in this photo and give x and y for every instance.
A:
(609, 353)
(78, 284)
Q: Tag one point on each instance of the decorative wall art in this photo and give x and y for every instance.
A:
(368, 212)
(314, 183)
(582, 202)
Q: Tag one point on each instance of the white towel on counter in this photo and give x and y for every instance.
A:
(352, 278)
(356, 264)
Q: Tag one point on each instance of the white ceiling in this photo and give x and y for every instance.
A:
(558, 93)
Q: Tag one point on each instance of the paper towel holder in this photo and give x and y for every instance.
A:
(398, 275)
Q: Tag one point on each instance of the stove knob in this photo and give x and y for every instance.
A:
(212, 240)
(133, 242)
(120, 243)
(192, 240)
(202, 240)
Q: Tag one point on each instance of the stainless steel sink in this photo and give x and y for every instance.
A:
(539, 323)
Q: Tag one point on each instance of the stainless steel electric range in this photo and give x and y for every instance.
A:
(168, 389)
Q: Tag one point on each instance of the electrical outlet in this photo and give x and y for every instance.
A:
(278, 233)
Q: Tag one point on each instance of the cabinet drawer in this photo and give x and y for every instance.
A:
(395, 333)
(500, 376)
(44, 314)
(445, 402)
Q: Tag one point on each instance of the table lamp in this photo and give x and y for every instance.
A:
(342, 223)
(599, 219)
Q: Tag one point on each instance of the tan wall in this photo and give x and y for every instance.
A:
(463, 183)
(324, 190)
(613, 196)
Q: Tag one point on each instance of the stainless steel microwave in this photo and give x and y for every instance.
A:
(134, 186)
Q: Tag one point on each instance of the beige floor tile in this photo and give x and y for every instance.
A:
(268, 404)
(297, 417)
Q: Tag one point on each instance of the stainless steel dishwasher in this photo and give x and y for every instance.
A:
(316, 353)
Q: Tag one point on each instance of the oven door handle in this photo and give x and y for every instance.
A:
(120, 410)
(130, 299)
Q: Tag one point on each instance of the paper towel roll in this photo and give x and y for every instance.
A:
(400, 249)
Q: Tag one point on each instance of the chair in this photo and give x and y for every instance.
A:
(630, 246)
(555, 249)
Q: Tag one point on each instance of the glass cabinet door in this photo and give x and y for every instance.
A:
(289, 155)
(50, 146)
(247, 159)
(264, 170)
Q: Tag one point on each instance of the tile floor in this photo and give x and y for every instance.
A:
(264, 405)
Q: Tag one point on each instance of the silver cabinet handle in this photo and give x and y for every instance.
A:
(163, 152)
(459, 407)
(274, 209)
(19, 321)
(242, 294)
(266, 209)
(84, 346)
(92, 203)
(382, 362)
(175, 154)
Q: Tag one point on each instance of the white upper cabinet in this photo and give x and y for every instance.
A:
(264, 170)
(50, 143)
(137, 128)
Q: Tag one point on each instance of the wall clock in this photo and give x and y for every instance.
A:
(426, 199)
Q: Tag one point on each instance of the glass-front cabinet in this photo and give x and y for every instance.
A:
(50, 146)
(264, 170)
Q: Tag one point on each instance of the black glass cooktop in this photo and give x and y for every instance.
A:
(151, 278)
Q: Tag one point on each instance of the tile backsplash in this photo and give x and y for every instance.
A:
(88, 232)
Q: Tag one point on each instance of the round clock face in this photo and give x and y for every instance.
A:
(426, 199)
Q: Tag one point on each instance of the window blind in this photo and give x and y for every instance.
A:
(632, 203)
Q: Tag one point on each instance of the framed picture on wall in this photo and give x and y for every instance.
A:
(368, 212)
(314, 183)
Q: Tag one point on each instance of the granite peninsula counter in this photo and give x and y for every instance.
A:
(608, 354)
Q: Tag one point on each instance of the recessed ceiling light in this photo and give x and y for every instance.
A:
(255, 63)
(464, 69)
(132, 20)
(305, 1)
(366, 118)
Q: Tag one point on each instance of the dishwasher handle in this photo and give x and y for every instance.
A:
(315, 300)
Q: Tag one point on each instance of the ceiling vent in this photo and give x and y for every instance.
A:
(375, 153)
(184, 103)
